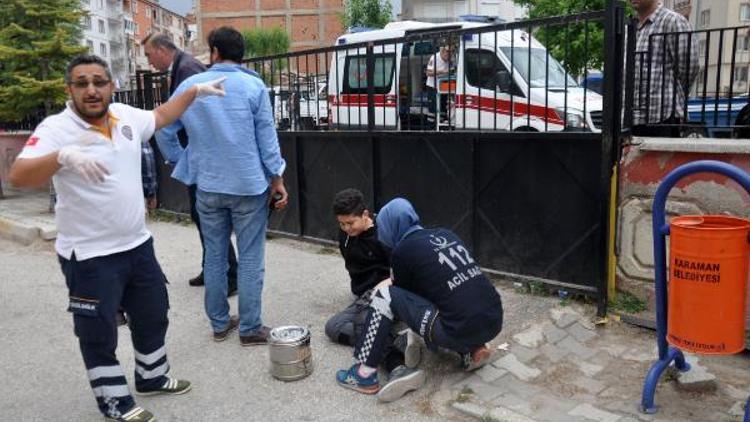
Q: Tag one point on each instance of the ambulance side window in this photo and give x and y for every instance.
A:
(482, 67)
(355, 71)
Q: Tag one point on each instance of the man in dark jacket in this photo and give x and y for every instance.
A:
(436, 288)
(163, 55)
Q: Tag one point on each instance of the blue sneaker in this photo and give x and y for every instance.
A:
(351, 379)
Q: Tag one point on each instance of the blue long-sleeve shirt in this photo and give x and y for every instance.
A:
(233, 144)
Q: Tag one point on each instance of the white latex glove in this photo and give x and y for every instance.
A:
(73, 158)
(211, 87)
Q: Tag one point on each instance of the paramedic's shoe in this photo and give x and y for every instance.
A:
(410, 344)
(171, 386)
(351, 379)
(403, 380)
(136, 414)
(476, 359)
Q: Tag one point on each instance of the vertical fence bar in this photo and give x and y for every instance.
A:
(512, 114)
(479, 81)
(528, 87)
(585, 71)
(565, 96)
(705, 75)
(630, 73)
(731, 78)
(718, 78)
(613, 56)
(688, 63)
(546, 78)
(495, 108)
(370, 88)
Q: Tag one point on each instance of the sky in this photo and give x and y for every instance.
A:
(180, 6)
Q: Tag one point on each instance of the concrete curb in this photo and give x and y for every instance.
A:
(24, 233)
(17, 231)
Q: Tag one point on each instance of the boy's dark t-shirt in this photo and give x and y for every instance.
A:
(435, 264)
(365, 259)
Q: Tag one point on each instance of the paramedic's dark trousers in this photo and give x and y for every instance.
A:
(416, 312)
(98, 286)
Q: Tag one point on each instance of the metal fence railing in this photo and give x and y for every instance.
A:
(450, 76)
(690, 83)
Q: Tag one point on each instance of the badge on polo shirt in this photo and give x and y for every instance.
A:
(32, 141)
(127, 132)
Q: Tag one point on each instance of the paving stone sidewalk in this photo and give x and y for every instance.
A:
(563, 367)
(551, 363)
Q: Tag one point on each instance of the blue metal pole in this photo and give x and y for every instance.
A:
(660, 231)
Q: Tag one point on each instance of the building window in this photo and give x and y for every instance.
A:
(702, 48)
(743, 43)
(745, 12)
(103, 49)
(101, 26)
(101, 4)
(90, 45)
(86, 22)
(705, 18)
(148, 12)
(134, 6)
(740, 74)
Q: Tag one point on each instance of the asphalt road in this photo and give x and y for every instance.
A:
(43, 377)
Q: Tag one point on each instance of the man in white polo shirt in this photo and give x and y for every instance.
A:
(92, 152)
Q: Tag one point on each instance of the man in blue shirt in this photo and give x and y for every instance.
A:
(235, 160)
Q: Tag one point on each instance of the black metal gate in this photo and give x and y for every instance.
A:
(529, 205)
(533, 205)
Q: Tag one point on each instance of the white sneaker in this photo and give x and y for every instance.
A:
(402, 381)
(410, 344)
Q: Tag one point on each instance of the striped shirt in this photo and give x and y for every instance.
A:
(666, 65)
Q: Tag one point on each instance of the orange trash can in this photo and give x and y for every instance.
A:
(708, 270)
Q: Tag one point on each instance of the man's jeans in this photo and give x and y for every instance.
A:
(247, 215)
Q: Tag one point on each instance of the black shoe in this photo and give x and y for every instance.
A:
(259, 338)
(197, 280)
(232, 288)
(234, 322)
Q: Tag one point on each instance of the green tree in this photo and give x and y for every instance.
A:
(568, 43)
(260, 42)
(37, 39)
(368, 13)
(265, 42)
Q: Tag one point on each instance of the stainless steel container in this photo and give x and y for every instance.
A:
(290, 352)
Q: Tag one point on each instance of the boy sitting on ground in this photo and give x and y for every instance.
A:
(436, 288)
(366, 260)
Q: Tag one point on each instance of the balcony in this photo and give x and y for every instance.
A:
(116, 39)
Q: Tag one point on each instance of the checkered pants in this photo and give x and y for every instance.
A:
(374, 342)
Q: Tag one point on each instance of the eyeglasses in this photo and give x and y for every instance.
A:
(98, 83)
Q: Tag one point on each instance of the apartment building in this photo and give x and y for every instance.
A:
(104, 34)
(113, 30)
(724, 38)
(309, 23)
(451, 10)
(148, 17)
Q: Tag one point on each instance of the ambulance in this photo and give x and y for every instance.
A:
(502, 80)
